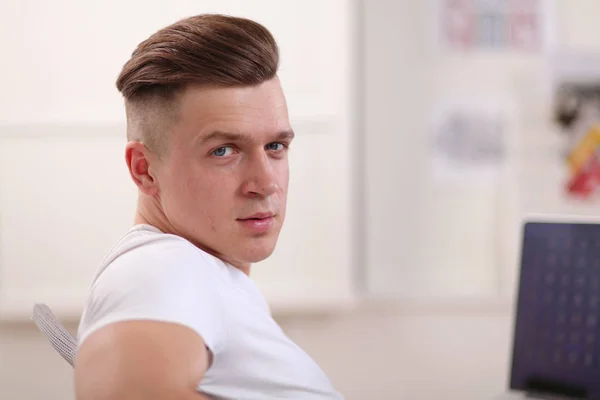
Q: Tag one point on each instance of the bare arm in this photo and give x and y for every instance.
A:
(138, 360)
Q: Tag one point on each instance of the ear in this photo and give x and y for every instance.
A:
(141, 170)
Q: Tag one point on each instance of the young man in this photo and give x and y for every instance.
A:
(172, 312)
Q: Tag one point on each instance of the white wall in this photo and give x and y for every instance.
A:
(430, 234)
(65, 55)
(65, 196)
(427, 237)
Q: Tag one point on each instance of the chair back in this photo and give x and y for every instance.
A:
(58, 336)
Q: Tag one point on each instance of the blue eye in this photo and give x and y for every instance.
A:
(222, 151)
(275, 146)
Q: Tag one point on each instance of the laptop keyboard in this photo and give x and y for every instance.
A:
(558, 315)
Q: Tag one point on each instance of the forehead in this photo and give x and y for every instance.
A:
(250, 110)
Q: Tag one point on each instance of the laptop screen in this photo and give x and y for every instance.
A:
(556, 347)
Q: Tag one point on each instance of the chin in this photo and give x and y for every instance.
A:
(257, 253)
(256, 257)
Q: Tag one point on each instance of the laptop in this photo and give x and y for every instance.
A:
(556, 340)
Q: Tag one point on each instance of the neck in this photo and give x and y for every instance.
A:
(153, 215)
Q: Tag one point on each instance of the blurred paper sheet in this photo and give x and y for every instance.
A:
(468, 142)
(517, 25)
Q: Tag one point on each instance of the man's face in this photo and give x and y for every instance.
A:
(223, 182)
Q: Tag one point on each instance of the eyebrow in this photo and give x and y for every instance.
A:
(242, 137)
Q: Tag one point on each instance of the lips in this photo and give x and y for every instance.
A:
(257, 224)
(257, 216)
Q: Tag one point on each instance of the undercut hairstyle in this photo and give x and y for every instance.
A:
(206, 49)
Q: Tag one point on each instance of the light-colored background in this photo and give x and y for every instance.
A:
(430, 259)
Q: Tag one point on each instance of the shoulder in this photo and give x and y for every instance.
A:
(157, 263)
(157, 255)
(159, 277)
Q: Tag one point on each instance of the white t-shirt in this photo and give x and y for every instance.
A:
(157, 276)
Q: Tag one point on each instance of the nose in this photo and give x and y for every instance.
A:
(261, 178)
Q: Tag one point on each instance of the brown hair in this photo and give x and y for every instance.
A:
(207, 49)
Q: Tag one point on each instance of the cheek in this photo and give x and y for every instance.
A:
(198, 200)
(181, 185)
(284, 176)
(207, 193)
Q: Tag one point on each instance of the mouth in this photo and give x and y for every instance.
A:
(257, 217)
(258, 224)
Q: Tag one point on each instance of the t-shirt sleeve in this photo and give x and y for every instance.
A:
(168, 281)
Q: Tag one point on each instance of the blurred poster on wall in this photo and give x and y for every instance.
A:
(576, 94)
(469, 142)
(583, 163)
(576, 102)
(518, 25)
